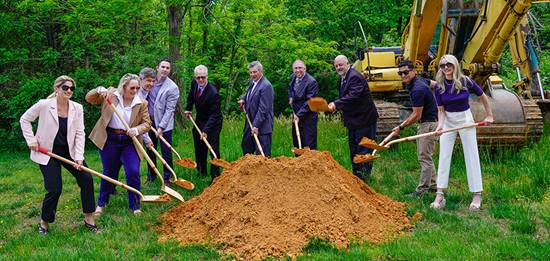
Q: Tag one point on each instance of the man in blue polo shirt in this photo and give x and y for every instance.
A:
(424, 112)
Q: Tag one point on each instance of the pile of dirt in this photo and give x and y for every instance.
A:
(272, 207)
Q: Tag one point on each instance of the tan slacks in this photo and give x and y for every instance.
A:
(424, 150)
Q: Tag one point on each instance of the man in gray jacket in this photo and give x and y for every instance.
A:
(162, 100)
(258, 105)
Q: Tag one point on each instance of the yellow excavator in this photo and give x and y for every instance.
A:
(476, 32)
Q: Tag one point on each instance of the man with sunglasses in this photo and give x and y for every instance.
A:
(424, 112)
(206, 99)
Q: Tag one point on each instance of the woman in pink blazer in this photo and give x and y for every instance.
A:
(60, 130)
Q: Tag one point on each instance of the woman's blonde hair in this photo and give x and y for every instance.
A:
(459, 79)
(125, 80)
(60, 81)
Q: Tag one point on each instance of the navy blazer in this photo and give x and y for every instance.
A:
(209, 115)
(355, 101)
(300, 94)
(259, 105)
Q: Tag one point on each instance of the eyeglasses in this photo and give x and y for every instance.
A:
(403, 73)
(200, 77)
(446, 65)
(67, 87)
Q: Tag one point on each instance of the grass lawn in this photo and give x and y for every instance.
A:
(514, 222)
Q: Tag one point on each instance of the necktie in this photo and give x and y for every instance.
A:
(199, 92)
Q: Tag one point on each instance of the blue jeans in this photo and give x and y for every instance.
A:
(119, 150)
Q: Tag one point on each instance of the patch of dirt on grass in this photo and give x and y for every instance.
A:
(273, 206)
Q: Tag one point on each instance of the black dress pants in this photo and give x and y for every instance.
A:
(53, 185)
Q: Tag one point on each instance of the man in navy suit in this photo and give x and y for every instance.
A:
(258, 104)
(303, 87)
(359, 112)
(209, 118)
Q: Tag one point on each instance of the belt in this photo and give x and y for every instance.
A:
(116, 131)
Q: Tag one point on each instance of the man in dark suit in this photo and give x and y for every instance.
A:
(209, 118)
(302, 87)
(258, 104)
(359, 112)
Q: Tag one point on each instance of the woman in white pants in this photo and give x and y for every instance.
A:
(452, 95)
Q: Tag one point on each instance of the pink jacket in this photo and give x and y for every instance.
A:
(48, 125)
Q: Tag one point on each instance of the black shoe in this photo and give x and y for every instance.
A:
(93, 228)
(416, 194)
(42, 230)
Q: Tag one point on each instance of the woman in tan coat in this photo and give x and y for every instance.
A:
(60, 130)
(115, 141)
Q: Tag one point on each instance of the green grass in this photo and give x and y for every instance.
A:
(514, 222)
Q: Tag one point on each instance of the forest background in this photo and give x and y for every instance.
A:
(96, 42)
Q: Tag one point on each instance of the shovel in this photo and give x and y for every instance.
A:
(318, 104)
(298, 151)
(180, 182)
(255, 135)
(215, 161)
(359, 158)
(369, 143)
(146, 198)
(187, 162)
(141, 150)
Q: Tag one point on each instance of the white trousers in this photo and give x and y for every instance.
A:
(469, 146)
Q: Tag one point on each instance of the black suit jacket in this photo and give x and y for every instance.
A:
(307, 89)
(209, 115)
(356, 102)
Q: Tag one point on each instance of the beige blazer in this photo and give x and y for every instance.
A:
(48, 125)
(139, 117)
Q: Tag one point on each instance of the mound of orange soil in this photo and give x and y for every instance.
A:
(272, 207)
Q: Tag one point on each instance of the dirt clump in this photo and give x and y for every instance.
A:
(274, 206)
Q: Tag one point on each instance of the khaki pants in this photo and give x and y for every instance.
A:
(425, 149)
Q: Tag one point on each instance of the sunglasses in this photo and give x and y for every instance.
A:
(445, 65)
(67, 87)
(134, 88)
(200, 77)
(403, 73)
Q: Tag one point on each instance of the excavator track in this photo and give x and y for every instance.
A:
(388, 118)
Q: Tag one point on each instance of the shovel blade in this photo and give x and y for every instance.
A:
(359, 158)
(184, 184)
(172, 193)
(371, 144)
(221, 163)
(318, 104)
(299, 151)
(156, 199)
(187, 163)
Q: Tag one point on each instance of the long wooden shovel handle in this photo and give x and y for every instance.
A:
(415, 137)
(91, 171)
(384, 141)
(164, 162)
(254, 134)
(203, 139)
(136, 143)
(165, 142)
(297, 132)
